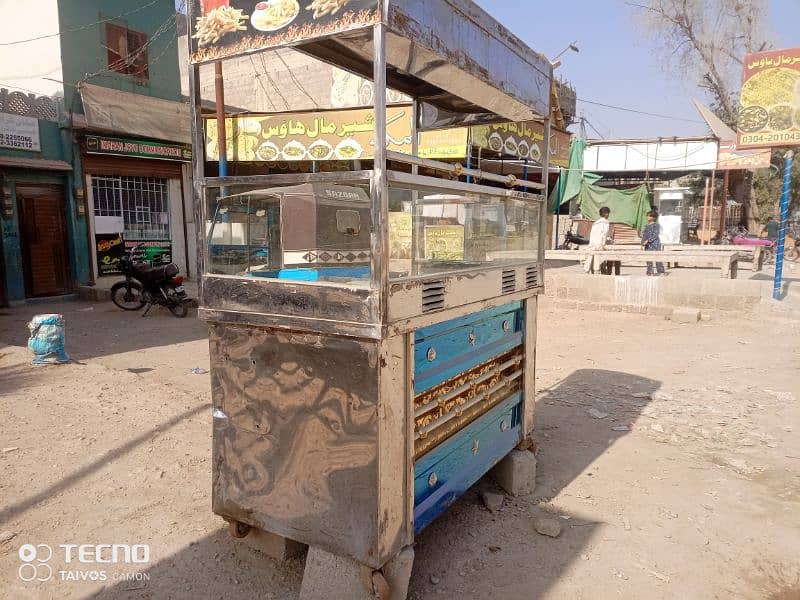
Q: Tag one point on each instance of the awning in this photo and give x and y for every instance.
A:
(34, 163)
(134, 114)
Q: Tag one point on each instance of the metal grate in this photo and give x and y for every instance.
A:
(509, 285)
(531, 277)
(432, 296)
(142, 202)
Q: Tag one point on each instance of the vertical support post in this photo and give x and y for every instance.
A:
(723, 218)
(198, 171)
(711, 203)
(416, 224)
(558, 205)
(222, 141)
(546, 183)
(787, 180)
(379, 278)
(705, 214)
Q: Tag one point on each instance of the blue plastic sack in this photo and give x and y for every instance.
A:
(47, 340)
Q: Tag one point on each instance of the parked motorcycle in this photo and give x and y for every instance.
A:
(739, 236)
(572, 241)
(147, 286)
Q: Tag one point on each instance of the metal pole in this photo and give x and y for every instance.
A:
(222, 142)
(723, 219)
(380, 191)
(711, 202)
(705, 212)
(558, 205)
(787, 179)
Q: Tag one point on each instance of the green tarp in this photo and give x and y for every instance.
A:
(627, 206)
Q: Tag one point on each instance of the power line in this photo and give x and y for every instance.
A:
(639, 112)
(81, 28)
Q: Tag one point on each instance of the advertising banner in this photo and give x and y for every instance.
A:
(19, 133)
(770, 100)
(327, 135)
(223, 28)
(523, 139)
(96, 144)
(156, 253)
(110, 250)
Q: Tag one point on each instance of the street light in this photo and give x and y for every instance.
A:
(573, 46)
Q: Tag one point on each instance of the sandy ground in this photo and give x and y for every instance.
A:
(669, 454)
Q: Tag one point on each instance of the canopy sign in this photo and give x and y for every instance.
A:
(223, 28)
(770, 100)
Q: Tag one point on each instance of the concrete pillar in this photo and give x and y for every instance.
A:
(516, 473)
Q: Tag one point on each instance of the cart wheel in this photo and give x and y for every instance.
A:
(238, 530)
(380, 586)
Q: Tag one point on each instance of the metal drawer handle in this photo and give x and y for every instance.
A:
(506, 326)
(431, 354)
(504, 426)
(472, 338)
(475, 445)
(433, 480)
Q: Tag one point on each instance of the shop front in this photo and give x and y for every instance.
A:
(135, 192)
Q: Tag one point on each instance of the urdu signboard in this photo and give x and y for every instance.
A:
(19, 133)
(770, 100)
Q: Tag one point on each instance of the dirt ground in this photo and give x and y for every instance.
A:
(669, 454)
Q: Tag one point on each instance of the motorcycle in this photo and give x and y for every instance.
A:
(147, 286)
(572, 241)
(741, 237)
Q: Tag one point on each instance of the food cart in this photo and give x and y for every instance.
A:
(372, 331)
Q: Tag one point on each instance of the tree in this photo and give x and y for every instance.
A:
(707, 39)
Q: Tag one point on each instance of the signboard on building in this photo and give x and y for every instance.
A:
(153, 252)
(96, 144)
(110, 250)
(325, 136)
(524, 139)
(19, 133)
(222, 28)
(770, 100)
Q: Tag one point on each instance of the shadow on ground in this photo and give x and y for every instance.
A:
(469, 552)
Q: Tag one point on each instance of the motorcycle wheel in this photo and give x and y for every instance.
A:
(180, 310)
(128, 296)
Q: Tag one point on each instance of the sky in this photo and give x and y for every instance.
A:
(617, 64)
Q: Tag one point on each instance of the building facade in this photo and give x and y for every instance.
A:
(94, 144)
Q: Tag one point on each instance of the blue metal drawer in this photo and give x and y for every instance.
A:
(447, 471)
(445, 350)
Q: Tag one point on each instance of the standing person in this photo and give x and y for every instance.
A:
(598, 238)
(651, 241)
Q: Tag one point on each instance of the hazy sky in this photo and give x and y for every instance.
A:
(616, 64)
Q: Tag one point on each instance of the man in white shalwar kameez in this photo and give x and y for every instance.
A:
(599, 236)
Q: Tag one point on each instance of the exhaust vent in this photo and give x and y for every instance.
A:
(509, 281)
(432, 296)
(531, 277)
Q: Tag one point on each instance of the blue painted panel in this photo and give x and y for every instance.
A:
(454, 353)
(438, 328)
(455, 464)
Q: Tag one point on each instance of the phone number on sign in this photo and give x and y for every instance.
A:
(769, 138)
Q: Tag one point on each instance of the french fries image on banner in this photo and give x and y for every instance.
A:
(326, 7)
(212, 26)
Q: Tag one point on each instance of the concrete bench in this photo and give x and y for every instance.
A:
(755, 254)
(727, 262)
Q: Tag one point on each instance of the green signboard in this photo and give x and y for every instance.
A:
(96, 144)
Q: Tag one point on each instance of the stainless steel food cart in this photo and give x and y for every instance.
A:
(373, 331)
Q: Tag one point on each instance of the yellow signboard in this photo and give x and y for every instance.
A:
(324, 136)
(770, 100)
(444, 242)
(524, 139)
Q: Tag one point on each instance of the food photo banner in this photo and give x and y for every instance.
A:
(524, 139)
(770, 100)
(225, 28)
(329, 135)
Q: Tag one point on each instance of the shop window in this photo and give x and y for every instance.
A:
(127, 51)
(140, 203)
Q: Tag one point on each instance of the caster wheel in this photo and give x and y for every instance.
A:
(238, 530)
